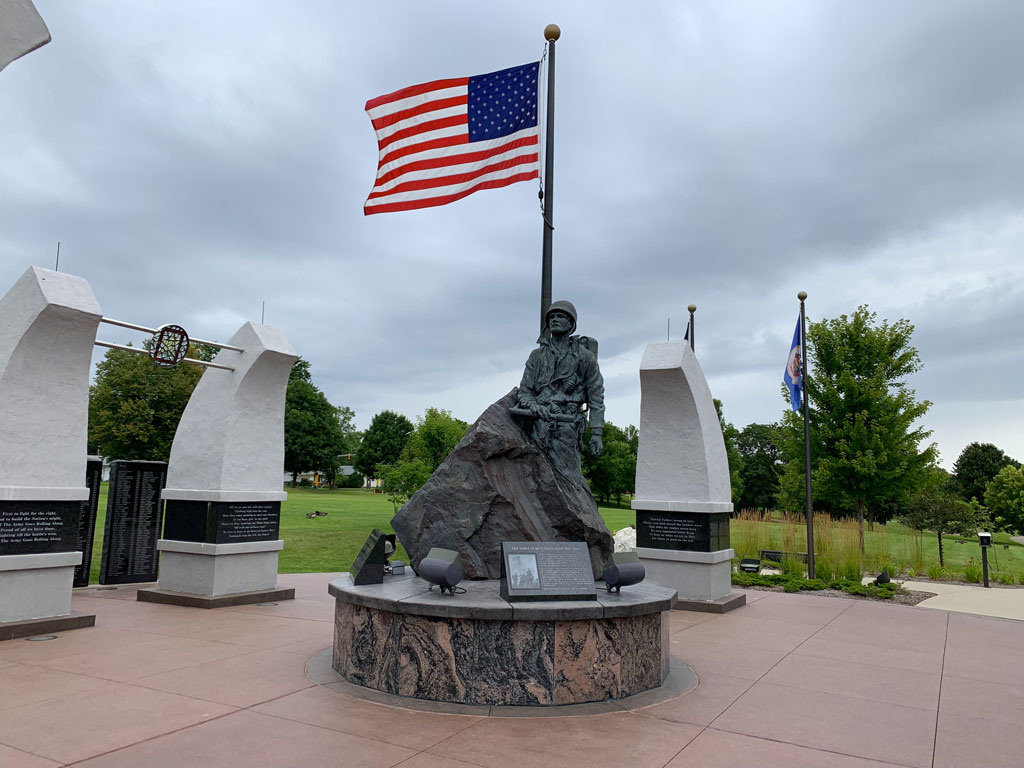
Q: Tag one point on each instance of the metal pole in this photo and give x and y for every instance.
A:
(137, 351)
(807, 436)
(692, 308)
(144, 329)
(984, 564)
(56, 266)
(551, 34)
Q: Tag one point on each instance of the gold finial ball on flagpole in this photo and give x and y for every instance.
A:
(552, 32)
(802, 295)
(692, 308)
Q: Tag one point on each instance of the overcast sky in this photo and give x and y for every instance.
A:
(195, 159)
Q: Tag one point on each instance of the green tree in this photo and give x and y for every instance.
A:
(613, 472)
(935, 508)
(1005, 499)
(974, 469)
(382, 442)
(402, 479)
(731, 435)
(758, 446)
(315, 434)
(346, 449)
(436, 434)
(864, 442)
(135, 405)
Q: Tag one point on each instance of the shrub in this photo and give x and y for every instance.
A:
(355, 480)
(798, 584)
(972, 572)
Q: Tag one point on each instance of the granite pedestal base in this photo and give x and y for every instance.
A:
(702, 579)
(404, 638)
(246, 571)
(36, 586)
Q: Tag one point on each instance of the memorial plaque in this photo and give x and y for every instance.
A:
(222, 522)
(134, 519)
(368, 567)
(685, 531)
(87, 521)
(546, 570)
(34, 527)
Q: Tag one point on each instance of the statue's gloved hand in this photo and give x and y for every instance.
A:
(537, 410)
(596, 444)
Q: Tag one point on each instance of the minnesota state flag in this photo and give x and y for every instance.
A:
(794, 369)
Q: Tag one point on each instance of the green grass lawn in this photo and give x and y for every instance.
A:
(331, 542)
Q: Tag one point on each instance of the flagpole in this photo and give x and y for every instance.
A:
(807, 436)
(551, 34)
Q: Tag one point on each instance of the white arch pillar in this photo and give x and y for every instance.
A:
(48, 324)
(223, 495)
(683, 494)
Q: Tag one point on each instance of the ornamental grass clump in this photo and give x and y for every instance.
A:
(972, 572)
(749, 534)
(936, 572)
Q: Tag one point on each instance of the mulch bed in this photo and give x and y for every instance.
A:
(906, 597)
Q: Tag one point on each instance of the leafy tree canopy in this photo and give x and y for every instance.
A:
(934, 508)
(1005, 498)
(977, 464)
(316, 433)
(731, 435)
(436, 434)
(758, 446)
(135, 405)
(864, 438)
(382, 442)
(613, 472)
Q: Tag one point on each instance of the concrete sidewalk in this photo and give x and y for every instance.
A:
(1003, 602)
(797, 680)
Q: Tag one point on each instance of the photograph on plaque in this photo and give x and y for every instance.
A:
(522, 571)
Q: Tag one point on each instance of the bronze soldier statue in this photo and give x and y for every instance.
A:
(561, 385)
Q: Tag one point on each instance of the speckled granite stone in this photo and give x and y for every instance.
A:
(587, 661)
(435, 653)
(487, 659)
(640, 644)
(514, 663)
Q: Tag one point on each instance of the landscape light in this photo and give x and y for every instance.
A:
(623, 570)
(443, 568)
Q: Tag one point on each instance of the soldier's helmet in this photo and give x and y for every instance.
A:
(563, 306)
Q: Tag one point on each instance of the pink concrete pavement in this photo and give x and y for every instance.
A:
(794, 680)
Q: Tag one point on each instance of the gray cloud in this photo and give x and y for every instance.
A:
(196, 159)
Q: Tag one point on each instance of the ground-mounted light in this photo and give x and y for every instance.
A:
(443, 568)
(623, 570)
(985, 540)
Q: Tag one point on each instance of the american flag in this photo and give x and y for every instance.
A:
(442, 141)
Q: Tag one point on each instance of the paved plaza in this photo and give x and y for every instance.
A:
(793, 680)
